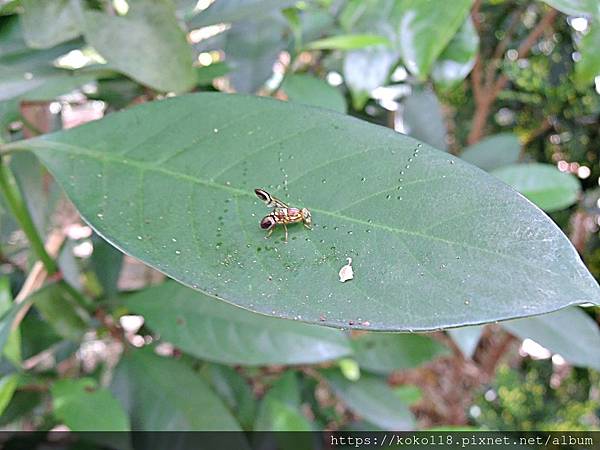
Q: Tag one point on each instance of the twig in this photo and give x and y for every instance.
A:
(36, 277)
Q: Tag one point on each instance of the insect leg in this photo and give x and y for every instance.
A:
(269, 233)
(286, 232)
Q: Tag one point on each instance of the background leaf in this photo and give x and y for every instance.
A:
(348, 42)
(252, 47)
(371, 398)
(458, 58)
(588, 68)
(382, 353)
(366, 70)
(466, 338)
(8, 385)
(280, 408)
(236, 10)
(425, 30)
(309, 90)
(494, 151)
(213, 330)
(543, 184)
(156, 52)
(575, 7)
(84, 406)
(569, 332)
(423, 118)
(178, 194)
(48, 23)
(142, 380)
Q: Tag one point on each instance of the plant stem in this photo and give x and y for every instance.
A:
(19, 210)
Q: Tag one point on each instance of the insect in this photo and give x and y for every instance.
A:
(282, 214)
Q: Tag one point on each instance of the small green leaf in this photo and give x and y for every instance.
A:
(280, 408)
(163, 394)
(426, 29)
(147, 44)
(348, 42)
(84, 406)
(382, 353)
(205, 75)
(213, 330)
(309, 90)
(569, 332)
(178, 193)
(543, 184)
(458, 58)
(466, 338)
(588, 67)
(493, 152)
(11, 347)
(576, 7)
(235, 391)
(58, 308)
(409, 394)
(106, 262)
(47, 23)
(8, 385)
(424, 120)
(6, 323)
(373, 400)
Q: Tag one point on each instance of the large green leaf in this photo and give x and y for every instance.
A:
(163, 394)
(147, 44)
(426, 28)
(458, 58)
(543, 184)
(47, 23)
(383, 353)
(313, 91)
(570, 332)
(214, 330)
(371, 398)
(84, 406)
(435, 242)
(493, 152)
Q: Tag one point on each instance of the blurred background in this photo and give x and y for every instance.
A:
(512, 86)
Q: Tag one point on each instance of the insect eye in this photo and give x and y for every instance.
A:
(261, 194)
(267, 223)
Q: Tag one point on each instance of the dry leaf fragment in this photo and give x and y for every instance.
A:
(346, 272)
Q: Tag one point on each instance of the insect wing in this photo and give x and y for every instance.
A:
(278, 203)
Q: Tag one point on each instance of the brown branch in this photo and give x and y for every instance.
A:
(485, 96)
(36, 277)
(501, 49)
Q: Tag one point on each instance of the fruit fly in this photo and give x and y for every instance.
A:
(282, 214)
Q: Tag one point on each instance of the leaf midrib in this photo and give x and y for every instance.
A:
(104, 157)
